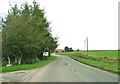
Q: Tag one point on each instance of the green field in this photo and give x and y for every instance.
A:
(0, 43)
(103, 59)
(27, 66)
(103, 53)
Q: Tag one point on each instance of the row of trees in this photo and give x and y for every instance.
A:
(26, 34)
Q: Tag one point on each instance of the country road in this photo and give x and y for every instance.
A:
(64, 69)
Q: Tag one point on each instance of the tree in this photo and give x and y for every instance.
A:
(26, 34)
(70, 49)
(66, 48)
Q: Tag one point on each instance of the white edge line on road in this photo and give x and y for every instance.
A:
(92, 67)
(73, 69)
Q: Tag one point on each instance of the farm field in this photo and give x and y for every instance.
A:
(103, 59)
(103, 53)
(0, 43)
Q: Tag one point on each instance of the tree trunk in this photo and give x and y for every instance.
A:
(8, 60)
(15, 59)
(19, 60)
(37, 58)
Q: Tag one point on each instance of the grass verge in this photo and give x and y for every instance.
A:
(27, 66)
(104, 65)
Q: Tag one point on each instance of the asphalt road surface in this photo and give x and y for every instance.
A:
(64, 69)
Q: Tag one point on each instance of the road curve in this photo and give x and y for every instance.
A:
(65, 69)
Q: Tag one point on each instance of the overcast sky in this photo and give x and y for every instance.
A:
(74, 20)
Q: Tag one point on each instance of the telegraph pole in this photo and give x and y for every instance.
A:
(87, 43)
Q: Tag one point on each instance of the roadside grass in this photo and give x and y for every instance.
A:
(105, 60)
(27, 66)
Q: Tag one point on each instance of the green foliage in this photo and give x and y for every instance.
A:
(26, 34)
(67, 49)
(27, 66)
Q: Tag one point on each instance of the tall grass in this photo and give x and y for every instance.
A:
(103, 59)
